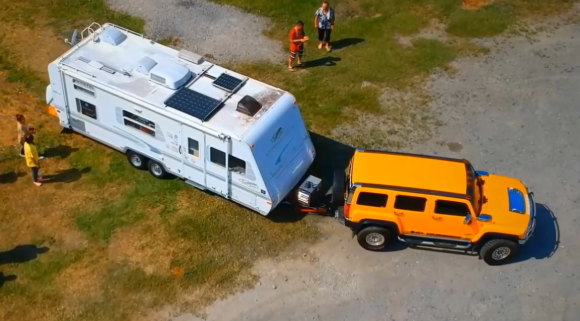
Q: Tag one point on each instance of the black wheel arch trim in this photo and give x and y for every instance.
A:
(490, 236)
(357, 227)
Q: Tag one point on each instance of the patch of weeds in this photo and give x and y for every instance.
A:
(18, 74)
(431, 53)
(127, 209)
(488, 21)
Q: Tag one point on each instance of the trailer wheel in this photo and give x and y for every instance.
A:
(157, 170)
(137, 160)
(337, 190)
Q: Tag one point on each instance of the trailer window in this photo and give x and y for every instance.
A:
(139, 123)
(193, 147)
(216, 156)
(86, 109)
(236, 165)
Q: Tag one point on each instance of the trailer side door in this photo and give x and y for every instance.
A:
(193, 151)
(217, 176)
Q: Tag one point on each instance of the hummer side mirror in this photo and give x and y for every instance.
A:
(467, 219)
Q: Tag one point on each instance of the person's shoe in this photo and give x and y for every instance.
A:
(328, 48)
(38, 183)
(41, 157)
(22, 155)
(319, 46)
(290, 68)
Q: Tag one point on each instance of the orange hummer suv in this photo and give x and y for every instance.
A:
(436, 202)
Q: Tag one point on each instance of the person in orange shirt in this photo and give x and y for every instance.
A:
(297, 40)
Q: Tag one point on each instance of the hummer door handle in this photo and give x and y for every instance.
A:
(437, 218)
(398, 213)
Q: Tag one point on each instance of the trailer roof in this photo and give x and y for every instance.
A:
(178, 82)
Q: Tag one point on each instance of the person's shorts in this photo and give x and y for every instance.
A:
(324, 35)
(298, 52)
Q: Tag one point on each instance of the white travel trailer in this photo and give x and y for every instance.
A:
(174, 113)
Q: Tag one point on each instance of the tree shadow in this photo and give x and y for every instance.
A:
(66, 176)
(546, 237)
(21, 254)
(10, 177)
(345, 42)
(60, 151)
(327, 61)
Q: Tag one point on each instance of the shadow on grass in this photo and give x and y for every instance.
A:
(66, 176)
(328, 61)
(10, 177)
(546, 238)
(21, 254)
(6, 278)
(345, 42)
(60, 151)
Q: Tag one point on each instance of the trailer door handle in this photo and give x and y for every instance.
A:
(179, 149)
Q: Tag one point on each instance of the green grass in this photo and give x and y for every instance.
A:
(19, 74)
(488, 21)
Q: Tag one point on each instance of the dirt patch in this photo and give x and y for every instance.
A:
(404, 119)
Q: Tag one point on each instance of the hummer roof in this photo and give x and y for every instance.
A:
(410, 171)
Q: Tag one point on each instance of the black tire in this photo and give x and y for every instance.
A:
(375, 238)
(498, 251)
(157, 170)
(337, 190)
(137, 160)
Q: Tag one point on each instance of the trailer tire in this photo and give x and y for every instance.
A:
(157, 170)
(137, 160)
(337, 190)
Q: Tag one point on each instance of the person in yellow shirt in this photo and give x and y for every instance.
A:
(32, 160)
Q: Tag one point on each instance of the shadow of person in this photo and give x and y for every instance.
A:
(345, 42)
(60, 151)
(324, 61)
(21, 254)
(10, 177)
(545, 239)
(66, 176)
(6, 278)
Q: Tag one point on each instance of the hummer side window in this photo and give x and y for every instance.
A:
(372, 199)
(410, 203)
(451, 208)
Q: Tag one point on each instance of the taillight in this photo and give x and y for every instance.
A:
(346, 210)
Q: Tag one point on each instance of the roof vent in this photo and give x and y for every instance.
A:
(170, 74)
(145, 64)
(190, 56)
(248, 106)
(112, 36)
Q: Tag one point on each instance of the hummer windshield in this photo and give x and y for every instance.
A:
(474, 189)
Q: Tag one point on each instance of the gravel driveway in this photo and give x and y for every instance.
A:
(514, 112)
(222, 33)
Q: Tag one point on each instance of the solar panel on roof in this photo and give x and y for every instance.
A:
(193, 103)
(227, 82)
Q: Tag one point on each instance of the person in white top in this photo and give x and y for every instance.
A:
(324, 22)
